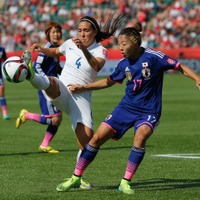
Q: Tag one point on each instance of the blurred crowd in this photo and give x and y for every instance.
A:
(167, 24)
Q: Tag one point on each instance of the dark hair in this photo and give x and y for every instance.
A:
(110, 27)
(49, 25)
(135, 32)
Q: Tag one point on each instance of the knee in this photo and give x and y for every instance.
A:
(53, 91)
(53, 82)
(56, 120)
(141, 136)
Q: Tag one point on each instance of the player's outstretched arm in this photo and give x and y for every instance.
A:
(190, 73)
(100, 84)
(51, 52)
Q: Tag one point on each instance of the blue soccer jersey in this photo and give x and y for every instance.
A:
(144, 78)
(45, 65)
(3, 57)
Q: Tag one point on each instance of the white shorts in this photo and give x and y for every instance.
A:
(76, 106)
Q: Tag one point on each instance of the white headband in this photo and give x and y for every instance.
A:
(85, 19)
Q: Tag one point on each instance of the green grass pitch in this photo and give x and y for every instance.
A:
(28, 175)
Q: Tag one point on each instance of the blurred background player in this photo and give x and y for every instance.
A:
(3, 104)
(46, 66)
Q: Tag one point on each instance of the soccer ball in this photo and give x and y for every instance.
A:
(14, 69)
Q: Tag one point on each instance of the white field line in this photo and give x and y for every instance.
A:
(188, 156)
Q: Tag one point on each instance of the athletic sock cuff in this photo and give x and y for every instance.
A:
(90, 148)
(139, 150)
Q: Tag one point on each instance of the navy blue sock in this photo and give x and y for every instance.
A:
(135, 158)
(87, 156)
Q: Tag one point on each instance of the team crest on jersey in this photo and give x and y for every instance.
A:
(146, 73)
(104, 52)
(108, 117)
(128, 74)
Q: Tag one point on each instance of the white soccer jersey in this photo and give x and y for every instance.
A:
(77, 68)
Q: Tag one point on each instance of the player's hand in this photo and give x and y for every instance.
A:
(78, 42)
(198, 83)
(35, 48)
(76, 88)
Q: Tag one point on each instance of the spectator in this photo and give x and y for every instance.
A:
(159, 18)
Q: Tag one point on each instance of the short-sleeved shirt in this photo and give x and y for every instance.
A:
(76, 68)
(142, 102)
(144, 80)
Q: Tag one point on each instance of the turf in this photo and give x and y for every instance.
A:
(26, 174)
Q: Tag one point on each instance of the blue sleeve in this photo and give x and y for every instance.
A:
(118, 75)
(38, 64)
(166, 63)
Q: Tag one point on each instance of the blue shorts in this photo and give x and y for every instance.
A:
(47, 108)
(120, 120)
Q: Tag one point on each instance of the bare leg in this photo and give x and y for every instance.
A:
(53, 91)
(84, 134)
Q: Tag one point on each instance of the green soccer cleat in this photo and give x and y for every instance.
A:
(47, 149)
(85, 185)
(6, 117)
(125, 187)
(27, 58)
(73, 182)
(21, 119)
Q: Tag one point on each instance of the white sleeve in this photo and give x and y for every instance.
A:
(101, 52)
(63, 47)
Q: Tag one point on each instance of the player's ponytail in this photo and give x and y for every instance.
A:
(109, 28)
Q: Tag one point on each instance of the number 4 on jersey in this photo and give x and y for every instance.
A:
(78, 63)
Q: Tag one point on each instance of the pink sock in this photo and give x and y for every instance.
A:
(130, 170)
(47, 139)
(4, 110)
(81, 166)
(33, 116)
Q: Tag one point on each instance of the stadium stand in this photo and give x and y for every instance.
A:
(167, 23)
